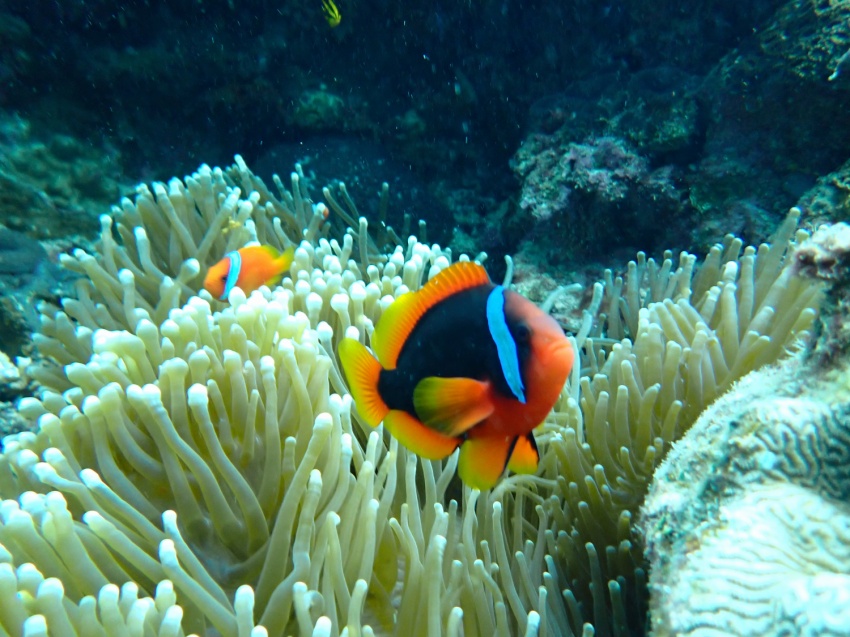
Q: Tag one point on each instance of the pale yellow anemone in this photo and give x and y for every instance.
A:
(197, 466)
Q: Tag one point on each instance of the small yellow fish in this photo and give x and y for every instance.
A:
(331, 13)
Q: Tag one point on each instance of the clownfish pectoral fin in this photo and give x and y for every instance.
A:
(423, 441)
(452, 406)
(525, 456)
(483, 460)
(363, 371)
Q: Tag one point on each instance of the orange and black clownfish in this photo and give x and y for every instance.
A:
(248, 269)
(462, 362)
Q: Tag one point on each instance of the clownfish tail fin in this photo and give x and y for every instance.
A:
(285, 259)
(362, 370)
(282, 261)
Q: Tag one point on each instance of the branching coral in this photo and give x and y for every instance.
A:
(207, 452)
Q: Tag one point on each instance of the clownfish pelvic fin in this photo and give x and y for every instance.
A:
(524, 456)
(482, 461)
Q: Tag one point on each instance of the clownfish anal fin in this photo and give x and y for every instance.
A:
(363, 372)
(524, 456)
(423, 441)
(452, 406)
(482, 461)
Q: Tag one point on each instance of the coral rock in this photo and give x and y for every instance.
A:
(747, 523)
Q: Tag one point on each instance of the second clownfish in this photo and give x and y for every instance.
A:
(248, 269)
(462, 363)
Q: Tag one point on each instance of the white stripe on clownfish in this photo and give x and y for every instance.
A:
(232, 272)
(505, 344)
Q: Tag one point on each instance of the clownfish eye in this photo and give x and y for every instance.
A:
(224, 279)
(522, 334)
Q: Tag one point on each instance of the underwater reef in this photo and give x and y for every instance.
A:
(196, 466)
(185, 465)
(678, 154)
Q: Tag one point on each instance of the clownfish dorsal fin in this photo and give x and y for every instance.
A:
(282, 259)
(404, 313)
(452, 406)
(273, 252)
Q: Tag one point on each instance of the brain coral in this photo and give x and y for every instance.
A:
(198, 466)
(747, 521)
